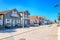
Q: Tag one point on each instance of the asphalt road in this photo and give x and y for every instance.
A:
(45, 32)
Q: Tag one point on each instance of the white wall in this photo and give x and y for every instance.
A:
(32, 22)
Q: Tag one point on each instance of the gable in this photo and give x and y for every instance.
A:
(14, 13)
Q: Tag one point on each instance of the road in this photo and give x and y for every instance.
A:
(45, 32)
(59, 33)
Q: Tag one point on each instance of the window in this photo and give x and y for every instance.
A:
(25, 21)
(18, 21)
(25, 16)
(14, 13)
(21, 14)
(8, 20)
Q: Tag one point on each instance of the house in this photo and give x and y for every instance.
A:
(1, 19)
(43, 20)
(25, 18)
(35, 20)
(40, 20)
(32, 20)
(10, 18)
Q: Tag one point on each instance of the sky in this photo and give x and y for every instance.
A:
(35, 7)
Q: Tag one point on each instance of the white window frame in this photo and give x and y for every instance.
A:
(14, 13)
(7, 20)
(25, 16)
(18, 21)
(26, 21)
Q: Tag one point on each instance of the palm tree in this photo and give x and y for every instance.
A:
(57, 5)
(58, 16)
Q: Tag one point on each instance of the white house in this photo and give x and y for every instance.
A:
(25, 18)
(11, 18)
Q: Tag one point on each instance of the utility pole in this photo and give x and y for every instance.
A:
(23, 20)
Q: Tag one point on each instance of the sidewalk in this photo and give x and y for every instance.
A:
(59, 33)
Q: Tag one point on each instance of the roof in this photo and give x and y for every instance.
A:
(34, 17)
(1, 13)
(4, 12)
(25, 12)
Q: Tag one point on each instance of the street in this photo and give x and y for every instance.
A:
(44, 32)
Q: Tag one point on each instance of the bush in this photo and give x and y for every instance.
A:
(1, 27)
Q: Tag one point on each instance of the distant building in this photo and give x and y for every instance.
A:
(41, 20)
(35, 20)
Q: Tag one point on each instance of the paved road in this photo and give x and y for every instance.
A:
(46, 32)
(59, 33)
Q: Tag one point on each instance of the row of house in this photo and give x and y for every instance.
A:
(13, 18)
(40, 20)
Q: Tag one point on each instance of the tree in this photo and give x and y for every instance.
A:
(58, 16)
(57, 5)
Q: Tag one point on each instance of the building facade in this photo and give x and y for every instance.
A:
(35, 20)
(40, 20)
(1, 19)
(13, 18)
(25, 18)
(10, 18)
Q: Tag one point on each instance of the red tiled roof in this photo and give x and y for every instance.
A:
(34, 17)
(4, 12)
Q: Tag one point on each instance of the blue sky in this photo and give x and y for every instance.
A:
(35, 7)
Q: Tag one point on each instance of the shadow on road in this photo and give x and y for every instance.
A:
(7, 30)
